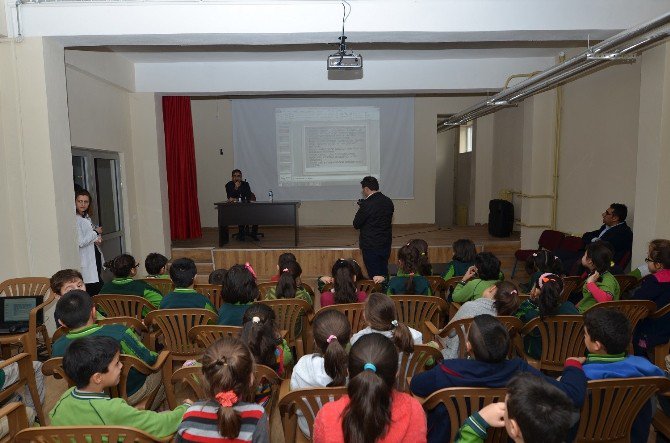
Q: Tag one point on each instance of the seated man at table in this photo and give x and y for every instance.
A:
(240, 191)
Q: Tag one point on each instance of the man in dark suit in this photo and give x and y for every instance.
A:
(615, 231)
(373, 219)
(240, 191)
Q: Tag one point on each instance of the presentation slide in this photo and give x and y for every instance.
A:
(320, 148)
(326, 146)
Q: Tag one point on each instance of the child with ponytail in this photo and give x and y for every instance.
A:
(408, 280)
(124, 267)
(328, 366)
(372, 411)
(260, 334)
(600, 285)
(288, 284)
(228, 368)
(545, 300)
(344, 285)
(541, 262)
(423, 265)
(382, 318)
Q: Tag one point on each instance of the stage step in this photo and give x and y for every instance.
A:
(198, 255)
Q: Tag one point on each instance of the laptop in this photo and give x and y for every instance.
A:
(15, 312)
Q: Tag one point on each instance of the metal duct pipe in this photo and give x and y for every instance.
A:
(546, 77)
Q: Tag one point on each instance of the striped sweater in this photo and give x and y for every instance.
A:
(200, 424)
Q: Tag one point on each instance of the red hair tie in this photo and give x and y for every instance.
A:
(250, 269)
(226, 399)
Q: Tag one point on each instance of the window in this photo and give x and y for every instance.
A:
(465, 138)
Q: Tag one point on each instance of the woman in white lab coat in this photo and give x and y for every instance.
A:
(89, 236)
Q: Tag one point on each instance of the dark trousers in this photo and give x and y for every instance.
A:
(376, 261)
(244, 230)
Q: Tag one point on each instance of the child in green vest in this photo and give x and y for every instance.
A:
(156, 265)
(600, 285)
(182, 273)
(124, 267)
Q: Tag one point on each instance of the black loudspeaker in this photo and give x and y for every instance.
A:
(501, 218)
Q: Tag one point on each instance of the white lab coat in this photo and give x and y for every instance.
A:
(86, 237)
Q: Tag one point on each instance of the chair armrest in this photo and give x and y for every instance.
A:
(660, 312)
(16, 359)
(284, 388)
(32, 316)
(17, 418)
(431, 327)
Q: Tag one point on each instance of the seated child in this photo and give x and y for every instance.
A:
(182, 273)
(358, 272)
(541, 262)
(534, 411)
(651, 332)
(77, 312)
(344, 286)
(382, 318)
(93, 363)
(485, 273)
(600, 285)
(10, 375)
(423, 265)
(328, 365)
(545, 300)
(239, 291)
(488, 342)
(124, 267)
(607, 335)
(64, 281)
(228, 367)
(216, 276)
(500, 299)
(408, 280)
(260, 334)
(156, 265)
(284, 259)
(372, 410)
(288, 284)
(463, 257)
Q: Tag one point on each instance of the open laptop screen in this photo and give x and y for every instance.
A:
(18, 309)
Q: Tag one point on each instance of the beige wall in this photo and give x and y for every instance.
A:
(599, 146)
(507, 154)
(212, 128)
(104, 116)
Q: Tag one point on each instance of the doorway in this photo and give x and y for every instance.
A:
(99, 173)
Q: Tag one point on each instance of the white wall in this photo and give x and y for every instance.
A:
(212, 129)
(508, 154)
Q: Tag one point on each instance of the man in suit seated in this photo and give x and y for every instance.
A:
(238, 190)
(614, 231)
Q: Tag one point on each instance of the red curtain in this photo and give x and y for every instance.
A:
(181, 175)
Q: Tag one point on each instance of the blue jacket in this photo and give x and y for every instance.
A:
(475, 374)
(598, 367)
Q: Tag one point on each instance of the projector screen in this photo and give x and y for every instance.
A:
(320, 149)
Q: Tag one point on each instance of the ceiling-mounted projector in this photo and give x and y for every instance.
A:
(343, 59)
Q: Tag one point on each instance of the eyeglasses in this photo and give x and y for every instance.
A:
(137, 265)
(650, 260)
(608, 213)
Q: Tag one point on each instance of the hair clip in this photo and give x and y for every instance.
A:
(256, 319)
(285, 270)
(394, 323)
(226, 399)
(370, 367)
(411, 274)
(250, 269)
(331, 338)
(534, 254)
(513, 292)
(544, 278)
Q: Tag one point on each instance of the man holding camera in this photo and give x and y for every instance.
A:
(373, 219)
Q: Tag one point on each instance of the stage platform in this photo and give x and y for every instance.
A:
(320, 246)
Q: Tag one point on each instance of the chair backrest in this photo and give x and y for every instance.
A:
(462, 403)
(550, 239)
(307, 401)
(266, 375)
(562, 336)
(308, 288)
(174, 325)
(415, 363)
(17, 419)
(24, 286)
(54, 367)
(451, 284)
(206, 335)
(264, 287)
(634, 310)
(624, 260)
(438, 286)
(84, 434)
(572, 243)
(626, 282)
(25, 378)
(163, 285)
(368, 286)
(611, 406)
(462, 326)
(212, 292)
(353, 312)
(570, 285)
(289, 312)
(414, 310)
(119, 305)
